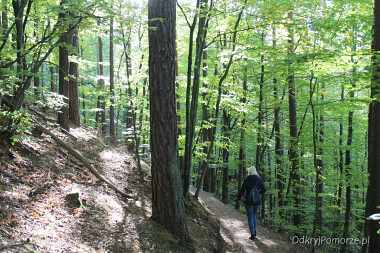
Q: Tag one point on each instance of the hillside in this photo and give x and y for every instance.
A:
(51, 202)
(39, 211)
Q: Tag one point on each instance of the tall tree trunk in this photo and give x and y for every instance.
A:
(320, 164)
(84, 107)
(340, 171)
(293, 153)
(341, 160)
(191, 118)
(128, 69)
(167, 197)
(63, 115)
(53, 87)
(348, 178)
(52, 81)
(205, 118)
(129, 77)
(217, 106)
(185, 173)
(373, 192)
(101, 116)
(318, 135)
(242, 153)
(348, 166)
(74, 108)
(4, 25)
(260, 139)
(18, 11)
(225, 154)
(112, 86)
(279, 152)
(36, 77)
(179, 118)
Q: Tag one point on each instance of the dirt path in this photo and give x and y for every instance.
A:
(235, 231)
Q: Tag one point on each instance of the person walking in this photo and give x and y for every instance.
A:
(253, 186)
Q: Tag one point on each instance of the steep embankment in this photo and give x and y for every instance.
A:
(39, 214)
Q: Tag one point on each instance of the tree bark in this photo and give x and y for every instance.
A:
(320, 163)
(373, 192)
(167, 197)
(242, 153)
(225, 154)
(112, 86)
(318, 135)
(74, 114)
(4, 25)
(205, 119)
(348, 178)
(293, 152)
(63, 114)
(260, 139)
(36, 77)
(348, 166)
(101, 115)
(279, 152)
(18, 11)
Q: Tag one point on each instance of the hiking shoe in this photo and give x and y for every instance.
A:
(252, 237)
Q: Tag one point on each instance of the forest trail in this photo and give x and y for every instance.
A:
(235, 231)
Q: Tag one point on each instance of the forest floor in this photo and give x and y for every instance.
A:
(38, 177)
(235, 230)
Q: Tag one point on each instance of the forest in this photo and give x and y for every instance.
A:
(201, 90)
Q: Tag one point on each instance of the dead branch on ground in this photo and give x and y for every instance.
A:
(80, 158)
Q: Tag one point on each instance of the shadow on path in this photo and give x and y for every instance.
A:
(235, 230)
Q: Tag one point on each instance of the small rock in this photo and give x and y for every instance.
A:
(73, 199)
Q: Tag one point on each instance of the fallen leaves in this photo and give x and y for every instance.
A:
(44, 217)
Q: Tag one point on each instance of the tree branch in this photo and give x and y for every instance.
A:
(80, 158)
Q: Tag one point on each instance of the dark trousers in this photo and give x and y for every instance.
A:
(252, 220)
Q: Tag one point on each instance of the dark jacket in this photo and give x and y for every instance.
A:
(248, 183)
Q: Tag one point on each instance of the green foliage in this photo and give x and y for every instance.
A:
(16, 125)
(332, 58)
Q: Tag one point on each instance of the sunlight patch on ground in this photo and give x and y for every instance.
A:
(268, 243)
(145, 206)
(108, 155)
(82, 134)
(112, 207)
(235, 227)
(110, 158)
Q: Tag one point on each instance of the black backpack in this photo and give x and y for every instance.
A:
(254, 196)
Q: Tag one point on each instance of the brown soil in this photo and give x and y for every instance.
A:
(36, 176)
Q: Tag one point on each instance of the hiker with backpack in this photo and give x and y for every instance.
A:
(253, 187)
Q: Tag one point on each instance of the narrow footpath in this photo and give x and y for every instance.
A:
(235, 230)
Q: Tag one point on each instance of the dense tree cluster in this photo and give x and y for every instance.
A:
(282, 85)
